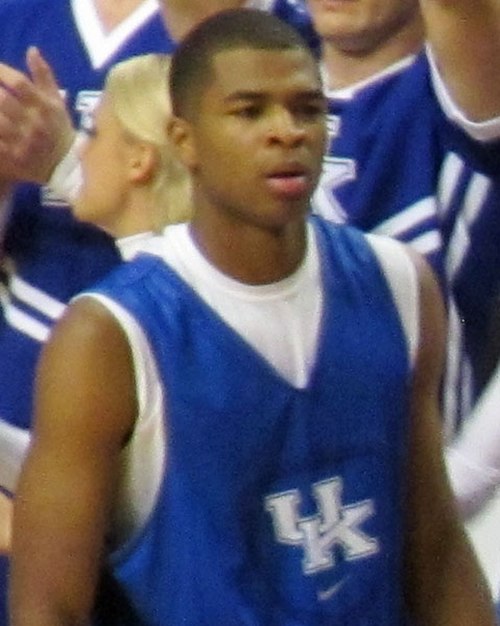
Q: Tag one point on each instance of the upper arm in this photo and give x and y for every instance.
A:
(443, 581)
(84, 410)
(465, 38)
(425, 483)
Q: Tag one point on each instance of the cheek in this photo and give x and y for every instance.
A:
(96, 189)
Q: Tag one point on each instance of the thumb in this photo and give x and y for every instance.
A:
(40, 71)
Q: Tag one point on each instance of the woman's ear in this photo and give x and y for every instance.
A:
(143, 163)
(180, 134)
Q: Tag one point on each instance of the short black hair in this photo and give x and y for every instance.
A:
(191, 68)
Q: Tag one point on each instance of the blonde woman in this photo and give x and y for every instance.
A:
(132, 185)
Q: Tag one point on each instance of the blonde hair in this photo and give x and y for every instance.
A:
(139, 95)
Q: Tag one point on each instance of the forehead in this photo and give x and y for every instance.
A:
(244, 70)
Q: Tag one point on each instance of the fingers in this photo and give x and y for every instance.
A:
(41, 82)
(17, 84)
(41, 72)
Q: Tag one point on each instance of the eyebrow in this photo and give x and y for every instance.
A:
(307, 94)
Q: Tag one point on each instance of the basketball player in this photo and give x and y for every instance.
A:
(251, 420)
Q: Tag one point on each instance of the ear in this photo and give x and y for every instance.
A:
(180, 133)
(143, 163)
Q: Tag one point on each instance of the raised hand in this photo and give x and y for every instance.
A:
(35, 127)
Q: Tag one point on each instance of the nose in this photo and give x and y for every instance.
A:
(285, 128)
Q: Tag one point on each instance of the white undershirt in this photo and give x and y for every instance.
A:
(131, 245)
(280, 320)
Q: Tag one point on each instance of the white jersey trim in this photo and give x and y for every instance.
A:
(488, 130)
(36, 301)
(401, 274)
(263, 5)
(101, 46)
(144, 457)
(350, 92)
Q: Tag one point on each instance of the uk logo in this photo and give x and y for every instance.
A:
(334, 524)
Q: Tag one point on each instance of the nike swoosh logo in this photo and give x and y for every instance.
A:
(325, 594)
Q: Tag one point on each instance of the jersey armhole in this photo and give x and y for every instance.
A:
(144, 456)
(401, 275)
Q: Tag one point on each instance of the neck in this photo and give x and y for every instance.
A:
(251, 255)
(135, 215)
(346, 67)
(113, 12)
(183, 15)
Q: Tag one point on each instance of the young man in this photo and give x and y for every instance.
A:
(249, 412)
(415, 150)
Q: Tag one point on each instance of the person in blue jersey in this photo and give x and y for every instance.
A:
(415, 150)
(250, 411)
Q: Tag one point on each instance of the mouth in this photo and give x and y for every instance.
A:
(289, 182)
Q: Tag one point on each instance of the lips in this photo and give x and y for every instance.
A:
(289, 182)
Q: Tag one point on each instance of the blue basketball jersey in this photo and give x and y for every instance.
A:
(398, 166)
(279, 506)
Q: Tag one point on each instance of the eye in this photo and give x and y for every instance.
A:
(310, 110)
(247, 111)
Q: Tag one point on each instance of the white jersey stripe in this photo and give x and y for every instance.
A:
(101, 46)
(36, 299)
(427, 243)
(475, 197)
(409, 218)
(448, 180)
(25, 323)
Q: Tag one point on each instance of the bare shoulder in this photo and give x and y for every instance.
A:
(86, 372)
